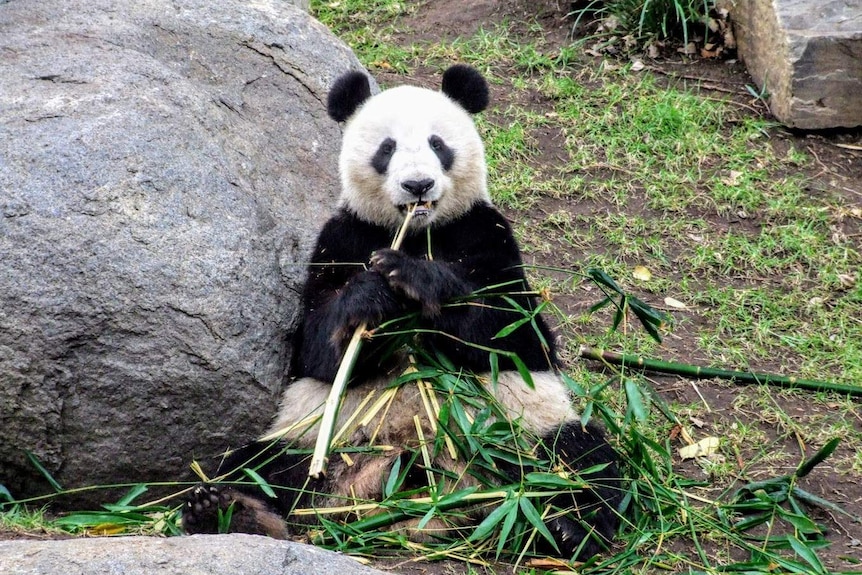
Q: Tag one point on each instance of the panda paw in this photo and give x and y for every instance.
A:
(569, 533)
(400, 270)
(366, 298)
(219, 509)
(426, 282)
(201, 510)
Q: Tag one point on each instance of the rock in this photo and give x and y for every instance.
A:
(194, 555)
(807, 54)
(164, 168)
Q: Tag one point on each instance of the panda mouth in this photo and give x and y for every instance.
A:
(421, 210)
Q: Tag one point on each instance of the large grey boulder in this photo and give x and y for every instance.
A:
(807, 54)
(196, 555)
(164, 168)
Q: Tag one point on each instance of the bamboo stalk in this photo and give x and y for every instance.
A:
(333, 401)
(698, 372)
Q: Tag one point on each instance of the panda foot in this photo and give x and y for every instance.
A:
(201, 510)
(220, 509)
(570, 534)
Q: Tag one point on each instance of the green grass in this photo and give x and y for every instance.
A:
(650, 19)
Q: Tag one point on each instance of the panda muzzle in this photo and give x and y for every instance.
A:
(422, 209)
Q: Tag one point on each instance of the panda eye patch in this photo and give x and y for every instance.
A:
(380, 160)
(445, 154)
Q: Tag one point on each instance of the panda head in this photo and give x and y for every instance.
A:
(410, 145)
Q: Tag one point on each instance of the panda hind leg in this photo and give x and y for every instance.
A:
(584, 522)
(250, 509)
(208, 504)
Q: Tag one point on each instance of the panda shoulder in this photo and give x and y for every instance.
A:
(485, 217)
(345, 233)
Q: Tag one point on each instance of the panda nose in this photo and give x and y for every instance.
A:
(418, 187)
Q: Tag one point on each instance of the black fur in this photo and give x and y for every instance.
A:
(348, 92)
(475, 251)
(445, 154)
(466, 86)
(590, 528)
(380, 159)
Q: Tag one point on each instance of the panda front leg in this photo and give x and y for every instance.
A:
(584, 522)
(366, 298)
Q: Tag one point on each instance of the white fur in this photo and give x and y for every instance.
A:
(541, 409)
(410, 115)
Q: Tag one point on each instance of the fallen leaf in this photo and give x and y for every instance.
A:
(732, 178)
(642, 273)
(703, 448)
(688, 49)
(847, 280)
(815, 302)
(696, 422)
(637, 66)
(671, 302)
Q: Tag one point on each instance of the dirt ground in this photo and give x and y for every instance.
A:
(835, 168)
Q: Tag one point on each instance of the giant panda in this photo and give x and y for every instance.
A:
(410, 146)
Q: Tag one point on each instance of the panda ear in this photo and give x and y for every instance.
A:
(466, 86)
(347, 93)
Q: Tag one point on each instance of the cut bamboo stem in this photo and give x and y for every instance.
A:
(333, 401)
(698, 372)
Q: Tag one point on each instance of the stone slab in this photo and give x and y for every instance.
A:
(193, 555)
(807, 54)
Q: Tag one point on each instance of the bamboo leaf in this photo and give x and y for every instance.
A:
(494, 360)
(260, 481)
(825, 451)
(646, 312)
(508, 523)
(43, 471)
(806, 554)
(587, 413)
(620, 313)
(489, 524)
(224, 518)
(634, 400)
(392, 482)
(512, 327)
(132, 494)
(91, 519)
(523, 370)
(426, 518)
(601, 278)
(600, 305)
(573, 385)
(550, 481)
(535, 520)
(5, 494)
(812, 499)
(753, 521)
(800, 522)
